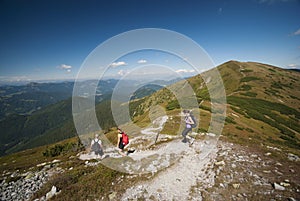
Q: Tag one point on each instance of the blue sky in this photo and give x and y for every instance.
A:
(50, 39)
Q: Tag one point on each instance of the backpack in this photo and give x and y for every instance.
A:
(194, 120)
(96, 146)
(125, 139)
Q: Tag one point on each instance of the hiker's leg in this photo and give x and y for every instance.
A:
(184, 134)
(187, 130)
(121, 151)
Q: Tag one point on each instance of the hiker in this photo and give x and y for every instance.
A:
(189, 125)
(121, 144)
(96, 146)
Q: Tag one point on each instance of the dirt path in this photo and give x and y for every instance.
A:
(175, 182)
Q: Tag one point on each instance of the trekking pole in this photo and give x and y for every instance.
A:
(156, 137)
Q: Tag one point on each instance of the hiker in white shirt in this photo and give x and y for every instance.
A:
(96, 146)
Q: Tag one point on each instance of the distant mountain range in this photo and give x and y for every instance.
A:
(29, 98)
(41, 113)
(263, 105)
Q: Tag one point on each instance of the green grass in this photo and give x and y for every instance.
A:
(230, 120)
(245, 87)
(249, 94)
(276, 115)
(248, 79)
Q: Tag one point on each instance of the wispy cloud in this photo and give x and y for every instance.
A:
(14, 78)
(220, 10)
(122, 72)
(117, 64)
(296, 33)
(65, 67)
(293, 66)
(142, 61)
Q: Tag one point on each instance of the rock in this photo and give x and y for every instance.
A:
(47, 166)
(236, 186)
(30, 175)
(284, 184)
(291, 199)
(51, 193)
(55, 161)
(41, 164)
(268, 154)
(211, 134)
(267, 171)
(278, 187)
(112, 195)
(293, 157)
(219, 163)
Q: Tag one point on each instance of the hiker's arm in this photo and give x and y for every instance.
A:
(190, 120)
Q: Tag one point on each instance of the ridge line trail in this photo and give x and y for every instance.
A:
(176, 181)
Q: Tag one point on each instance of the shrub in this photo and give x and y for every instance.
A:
(230, 120)
(245, 87)
(249, 130)
(174, 104)
(246, 70)
(248, 79)
(59, 149)
(240, 128)
(250, 94)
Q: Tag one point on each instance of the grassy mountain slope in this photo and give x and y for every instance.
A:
(47, 126)
(262, 104)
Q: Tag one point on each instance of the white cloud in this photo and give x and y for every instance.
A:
(293, 66)
(142, 61)
(64, 66)
(117, 64)
(122, 72)
(296, 32)
(184, 71)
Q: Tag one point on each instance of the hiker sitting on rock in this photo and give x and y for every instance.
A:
(189, 125)
(96, 146)
(122, 141)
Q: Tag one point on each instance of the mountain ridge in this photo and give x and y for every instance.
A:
(243, 81)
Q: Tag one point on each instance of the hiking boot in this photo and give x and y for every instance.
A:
(192, 141)
(184, 141)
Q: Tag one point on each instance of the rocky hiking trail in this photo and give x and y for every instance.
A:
(223, 172)
(212, 169)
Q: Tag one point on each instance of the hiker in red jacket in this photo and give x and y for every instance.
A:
(120, 143)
